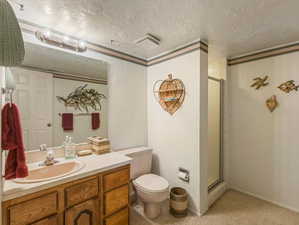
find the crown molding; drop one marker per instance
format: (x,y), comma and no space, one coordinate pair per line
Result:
(266,53)
(178,52)
(31,28)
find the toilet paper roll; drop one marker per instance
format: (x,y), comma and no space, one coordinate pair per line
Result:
(183,176)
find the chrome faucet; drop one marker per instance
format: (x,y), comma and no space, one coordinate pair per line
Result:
(49,157)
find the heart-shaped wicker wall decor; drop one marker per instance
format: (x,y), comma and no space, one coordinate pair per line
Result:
(170,94)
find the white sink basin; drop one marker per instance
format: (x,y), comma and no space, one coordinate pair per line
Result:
(55,171)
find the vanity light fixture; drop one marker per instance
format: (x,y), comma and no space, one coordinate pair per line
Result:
(61,41)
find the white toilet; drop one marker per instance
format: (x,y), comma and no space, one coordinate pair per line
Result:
(151,189)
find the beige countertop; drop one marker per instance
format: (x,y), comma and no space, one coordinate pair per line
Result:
(93,164)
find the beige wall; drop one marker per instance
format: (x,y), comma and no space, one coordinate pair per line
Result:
(176,139)
(262,146)
(217,63)
(202,152)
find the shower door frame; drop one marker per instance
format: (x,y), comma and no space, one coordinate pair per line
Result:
(221,156)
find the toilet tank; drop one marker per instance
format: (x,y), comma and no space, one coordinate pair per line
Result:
(141,160)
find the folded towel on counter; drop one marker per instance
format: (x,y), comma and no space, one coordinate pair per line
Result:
(67,121)
(95,120)
(12,140)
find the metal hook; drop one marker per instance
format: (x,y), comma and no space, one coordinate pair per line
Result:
(11,96)
(8,91)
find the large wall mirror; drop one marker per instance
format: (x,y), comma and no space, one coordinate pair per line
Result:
(48,75)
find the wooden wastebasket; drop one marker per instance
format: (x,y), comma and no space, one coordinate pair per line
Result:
(178,204)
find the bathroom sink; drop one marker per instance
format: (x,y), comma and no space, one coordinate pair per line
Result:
(46,173)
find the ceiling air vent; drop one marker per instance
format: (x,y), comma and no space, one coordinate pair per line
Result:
(149,41)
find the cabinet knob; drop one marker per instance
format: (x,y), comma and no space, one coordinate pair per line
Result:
(49,125)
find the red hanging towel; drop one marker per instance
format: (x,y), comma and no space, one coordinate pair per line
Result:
(67,121)
(95,120)
(12,140)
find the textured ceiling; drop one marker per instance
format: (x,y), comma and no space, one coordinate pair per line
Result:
(232,26)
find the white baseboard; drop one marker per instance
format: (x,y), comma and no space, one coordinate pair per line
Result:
(212,197)
(194,211)
(265,199)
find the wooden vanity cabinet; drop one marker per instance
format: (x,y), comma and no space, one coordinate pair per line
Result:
(102,199)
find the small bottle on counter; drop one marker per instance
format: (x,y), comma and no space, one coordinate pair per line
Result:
(69,148)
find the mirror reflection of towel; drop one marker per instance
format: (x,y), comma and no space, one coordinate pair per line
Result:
(67,121)
(12,140)
(95,120)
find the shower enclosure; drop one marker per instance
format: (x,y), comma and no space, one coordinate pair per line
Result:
(215,151)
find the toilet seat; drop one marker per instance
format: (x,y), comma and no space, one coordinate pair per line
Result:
(151,183)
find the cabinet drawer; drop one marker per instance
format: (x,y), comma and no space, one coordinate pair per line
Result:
(120,218)
(33,210)
(81,192)
(116,199)
(53,220)
(116,179)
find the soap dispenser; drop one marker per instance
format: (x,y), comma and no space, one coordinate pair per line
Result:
(69,148)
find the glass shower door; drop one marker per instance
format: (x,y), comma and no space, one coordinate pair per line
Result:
(215,163)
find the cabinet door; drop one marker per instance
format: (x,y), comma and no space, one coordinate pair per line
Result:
(85,213)
(119,218)
(116,200)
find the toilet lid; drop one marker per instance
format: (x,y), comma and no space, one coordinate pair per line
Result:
(151,183)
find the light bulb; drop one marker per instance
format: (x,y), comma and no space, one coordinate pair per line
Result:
(47,34)
(66,38)
(82,44)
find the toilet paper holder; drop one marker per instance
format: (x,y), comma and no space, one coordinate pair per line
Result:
(184,175)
